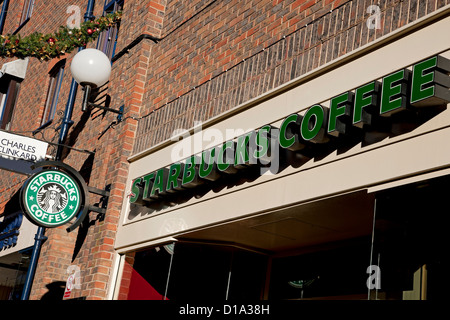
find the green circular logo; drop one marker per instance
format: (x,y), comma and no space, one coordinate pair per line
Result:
(51,198)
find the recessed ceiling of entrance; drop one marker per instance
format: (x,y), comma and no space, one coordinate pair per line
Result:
(300,226)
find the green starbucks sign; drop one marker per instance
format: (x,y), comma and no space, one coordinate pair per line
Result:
(349,115)
(51,198)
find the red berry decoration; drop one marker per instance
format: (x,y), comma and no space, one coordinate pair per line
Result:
(51,40)
(90,31)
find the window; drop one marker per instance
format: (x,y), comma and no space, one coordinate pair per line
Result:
(26,11)
(4,4)
(56,75)
(107,39)
(8,97)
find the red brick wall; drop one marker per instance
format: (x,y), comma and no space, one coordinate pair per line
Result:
(235,51)
(91,246)
(178,12)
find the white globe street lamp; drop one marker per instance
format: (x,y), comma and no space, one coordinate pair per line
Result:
(91,68)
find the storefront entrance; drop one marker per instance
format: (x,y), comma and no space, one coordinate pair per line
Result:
(389,244)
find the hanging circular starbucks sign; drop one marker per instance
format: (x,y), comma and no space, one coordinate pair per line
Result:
(51,198)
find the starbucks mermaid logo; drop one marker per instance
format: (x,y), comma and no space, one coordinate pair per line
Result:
(51,198)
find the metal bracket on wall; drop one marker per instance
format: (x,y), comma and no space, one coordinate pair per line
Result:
(101,206)
(119,112)
(86,103)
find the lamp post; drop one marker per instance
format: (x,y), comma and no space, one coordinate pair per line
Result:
(90,68)
(66,123)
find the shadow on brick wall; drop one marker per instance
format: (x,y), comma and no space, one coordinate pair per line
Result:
(55,291)
(74,133)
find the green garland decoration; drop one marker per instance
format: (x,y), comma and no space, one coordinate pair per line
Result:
(48,46)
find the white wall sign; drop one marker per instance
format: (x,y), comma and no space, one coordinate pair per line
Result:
(17,153)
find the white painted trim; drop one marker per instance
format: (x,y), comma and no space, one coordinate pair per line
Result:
(116,277)
(17,68)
